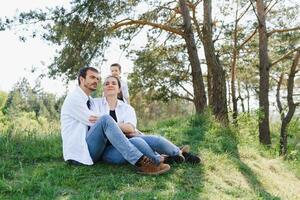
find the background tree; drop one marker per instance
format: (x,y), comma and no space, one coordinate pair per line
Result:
(291,106)
(219,101)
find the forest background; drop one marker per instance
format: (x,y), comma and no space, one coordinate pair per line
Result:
(237,60)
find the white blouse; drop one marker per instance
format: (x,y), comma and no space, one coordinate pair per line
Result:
(124,112)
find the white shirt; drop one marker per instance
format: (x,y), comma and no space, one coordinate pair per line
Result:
(124,112)
(74,126)
(124,89)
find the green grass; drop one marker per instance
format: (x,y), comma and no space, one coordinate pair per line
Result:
(235,167)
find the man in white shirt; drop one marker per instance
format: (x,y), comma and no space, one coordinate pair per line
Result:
(85,135)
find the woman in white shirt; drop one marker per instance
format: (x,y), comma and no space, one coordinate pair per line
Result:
(125,116)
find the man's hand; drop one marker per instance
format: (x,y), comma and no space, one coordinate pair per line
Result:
(93,119)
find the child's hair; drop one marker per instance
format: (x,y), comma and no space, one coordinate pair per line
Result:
(116,65)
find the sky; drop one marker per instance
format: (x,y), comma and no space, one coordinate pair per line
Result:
(18,58)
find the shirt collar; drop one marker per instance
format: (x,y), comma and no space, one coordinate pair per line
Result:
(119,102)
(84,94)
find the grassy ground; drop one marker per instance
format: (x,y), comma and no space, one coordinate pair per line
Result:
(234,167)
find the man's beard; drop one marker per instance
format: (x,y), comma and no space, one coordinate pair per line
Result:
(90,87)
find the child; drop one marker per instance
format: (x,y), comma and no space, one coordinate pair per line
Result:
(115,70)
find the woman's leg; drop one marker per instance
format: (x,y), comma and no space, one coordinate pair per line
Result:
(113,156)
(106,129)
(161,145)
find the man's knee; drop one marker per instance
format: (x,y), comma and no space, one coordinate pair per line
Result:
(105,118)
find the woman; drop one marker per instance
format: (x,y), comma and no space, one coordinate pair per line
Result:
(125,116)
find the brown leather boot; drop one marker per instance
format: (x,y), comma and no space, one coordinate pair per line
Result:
(147,167)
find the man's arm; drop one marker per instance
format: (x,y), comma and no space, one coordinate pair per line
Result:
(77,109)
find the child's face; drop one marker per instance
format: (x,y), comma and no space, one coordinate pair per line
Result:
(115,71)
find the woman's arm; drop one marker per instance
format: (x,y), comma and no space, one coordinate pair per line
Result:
(126,127)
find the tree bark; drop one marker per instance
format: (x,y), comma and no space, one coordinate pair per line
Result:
(264,70)
(219,101)
(198,84)
(233,75)
(240,96)
(248,98)
(291,106)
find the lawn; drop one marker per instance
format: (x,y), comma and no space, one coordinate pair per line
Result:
(32,168)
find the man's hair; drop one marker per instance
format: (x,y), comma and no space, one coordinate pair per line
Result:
(82,72)
(116,65)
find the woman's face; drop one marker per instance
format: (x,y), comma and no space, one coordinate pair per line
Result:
(111,86)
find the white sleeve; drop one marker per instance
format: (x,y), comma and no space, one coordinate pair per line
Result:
(124,88)
(128,115)
(77,109)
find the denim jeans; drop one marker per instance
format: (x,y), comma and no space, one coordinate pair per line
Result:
(113,156)
(106,129)
(158,145)
(161,145)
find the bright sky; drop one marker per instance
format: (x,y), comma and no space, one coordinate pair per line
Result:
(17,58)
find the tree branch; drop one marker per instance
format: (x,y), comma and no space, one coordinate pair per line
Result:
(129,22)
(283,30)
(188,92)
(279,105)
(285,56)
(248,39)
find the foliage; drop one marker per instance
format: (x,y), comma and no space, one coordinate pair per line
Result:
(3,98)
(294,140)
(148,110)
(162,74)
(24,98)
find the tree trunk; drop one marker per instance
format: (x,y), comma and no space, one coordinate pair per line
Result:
(209,86)
(240,96)
(198,84)
(248,98)
(229,94)
(219,101)
(233,71)
(291,105)
(264,67)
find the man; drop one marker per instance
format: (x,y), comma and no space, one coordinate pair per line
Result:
(115,70)
(85,136)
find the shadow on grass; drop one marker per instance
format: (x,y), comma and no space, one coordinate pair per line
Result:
(223,141)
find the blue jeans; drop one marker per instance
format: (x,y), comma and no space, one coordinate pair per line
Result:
(113,156)
(161,145)
(158,145)
(104,130)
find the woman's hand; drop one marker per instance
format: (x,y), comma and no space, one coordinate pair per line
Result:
(93,119)
(126,127)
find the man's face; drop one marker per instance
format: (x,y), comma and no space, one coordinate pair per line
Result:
(115,71)
(91,80)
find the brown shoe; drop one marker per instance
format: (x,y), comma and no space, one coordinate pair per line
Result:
(147,167)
